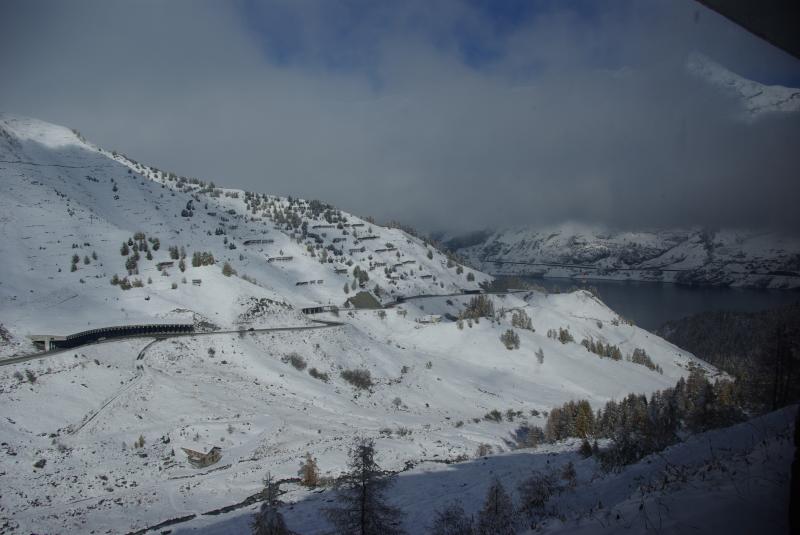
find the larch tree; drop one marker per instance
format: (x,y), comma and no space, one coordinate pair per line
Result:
(361,492)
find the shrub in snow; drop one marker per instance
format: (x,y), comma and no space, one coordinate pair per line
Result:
(540,356)
(493,416)
(30,375)
(227,270)
(316,374)
(451,520)
(358,378)
(297,361)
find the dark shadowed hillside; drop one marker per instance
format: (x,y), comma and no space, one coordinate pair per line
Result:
(760,348)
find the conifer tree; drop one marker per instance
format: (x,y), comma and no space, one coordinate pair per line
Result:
(268,520)
(497,515)
(363,509)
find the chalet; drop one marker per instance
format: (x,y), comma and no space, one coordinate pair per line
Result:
(426,276)
(386,250)
(430,318)
(322,226)
(368,237)
(358,250)
(201,460)
(357,225)
(337,240)
(197,282)
(340,270)
(379,264)
(161,266)
(258,241)
(280,259)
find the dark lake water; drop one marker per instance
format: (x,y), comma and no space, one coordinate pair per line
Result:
(651,304)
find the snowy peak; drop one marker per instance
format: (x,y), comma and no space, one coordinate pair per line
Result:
(757,98)
(15,129)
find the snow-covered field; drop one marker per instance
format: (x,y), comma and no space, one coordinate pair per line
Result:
(92,437)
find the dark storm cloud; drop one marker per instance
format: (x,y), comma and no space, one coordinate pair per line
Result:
(442,115)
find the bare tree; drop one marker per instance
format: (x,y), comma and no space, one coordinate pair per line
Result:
(497,515)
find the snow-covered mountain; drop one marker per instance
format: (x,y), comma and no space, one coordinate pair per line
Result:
(687,256)
(757,98)
(92,436)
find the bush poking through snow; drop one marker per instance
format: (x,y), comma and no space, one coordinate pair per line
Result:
(297,361)
(316,374)
(451,520)
(227,270)
(30,375)
(493,416)
(358,378)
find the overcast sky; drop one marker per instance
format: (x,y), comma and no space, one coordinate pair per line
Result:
(444,115)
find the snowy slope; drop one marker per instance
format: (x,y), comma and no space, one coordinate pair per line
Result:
(733,480)
(692,256)
(63,196)
(432,383)
(266,414)
(756,98)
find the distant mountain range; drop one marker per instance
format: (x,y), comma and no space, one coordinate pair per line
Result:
(693,256)
(688,256)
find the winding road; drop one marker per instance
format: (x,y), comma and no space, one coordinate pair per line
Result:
(323,324)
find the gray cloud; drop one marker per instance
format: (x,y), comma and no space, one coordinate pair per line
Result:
(591,119)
